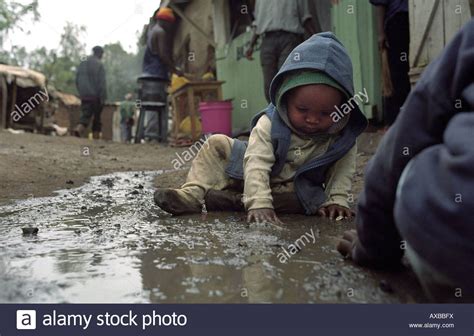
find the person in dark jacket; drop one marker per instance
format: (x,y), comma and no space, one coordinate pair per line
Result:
(91,85)
(418,196)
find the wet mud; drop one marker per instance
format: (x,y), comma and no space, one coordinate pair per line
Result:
(106,241)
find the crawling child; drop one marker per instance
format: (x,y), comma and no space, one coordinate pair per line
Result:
(300,157)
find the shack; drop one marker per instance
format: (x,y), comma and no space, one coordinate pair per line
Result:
(63,107)
(23,96)
(65,111)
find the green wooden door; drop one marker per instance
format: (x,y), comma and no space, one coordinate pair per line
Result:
(243,81)
(354,24)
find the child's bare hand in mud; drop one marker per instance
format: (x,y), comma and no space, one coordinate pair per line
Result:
(263,215)
(334,211)
(347,243)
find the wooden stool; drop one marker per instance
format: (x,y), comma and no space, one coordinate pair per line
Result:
(184,104)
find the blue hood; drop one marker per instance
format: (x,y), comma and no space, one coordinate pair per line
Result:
(321,52)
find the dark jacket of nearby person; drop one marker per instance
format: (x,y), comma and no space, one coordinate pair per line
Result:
(437,126)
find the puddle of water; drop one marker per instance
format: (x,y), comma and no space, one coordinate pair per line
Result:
(107,242)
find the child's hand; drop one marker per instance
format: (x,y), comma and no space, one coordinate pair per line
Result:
(263,215)
(334,211)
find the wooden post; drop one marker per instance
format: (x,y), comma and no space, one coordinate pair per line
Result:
(12,107)
(3,107)
(192,111)
(175,116)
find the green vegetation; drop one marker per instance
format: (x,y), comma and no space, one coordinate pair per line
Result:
(59,64)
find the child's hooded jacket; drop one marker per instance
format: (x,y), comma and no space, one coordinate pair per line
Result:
(323,53)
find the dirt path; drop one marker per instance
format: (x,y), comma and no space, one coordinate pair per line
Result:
(34,165)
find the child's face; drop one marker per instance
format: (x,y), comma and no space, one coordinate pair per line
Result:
(310,107)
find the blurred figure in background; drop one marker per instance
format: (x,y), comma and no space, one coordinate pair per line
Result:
(282,25)
(91,86)
(394,35)
(127,113)
(157,64)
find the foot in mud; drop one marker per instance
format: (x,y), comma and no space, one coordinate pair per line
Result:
(224,200)
(176,202)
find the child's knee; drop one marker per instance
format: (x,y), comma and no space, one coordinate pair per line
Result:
(221,145)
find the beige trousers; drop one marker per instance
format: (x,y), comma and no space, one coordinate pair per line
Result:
(208,168)
(208,172)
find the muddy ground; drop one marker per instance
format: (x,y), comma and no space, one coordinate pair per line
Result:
(101,239)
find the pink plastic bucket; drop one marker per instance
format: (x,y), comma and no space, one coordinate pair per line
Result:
(216,117)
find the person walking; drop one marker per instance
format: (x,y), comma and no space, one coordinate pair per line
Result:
(91,86)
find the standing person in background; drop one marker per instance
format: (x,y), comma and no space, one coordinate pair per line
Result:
(158,61)
(91,85)
(127,112)
(394,35)
(282,25)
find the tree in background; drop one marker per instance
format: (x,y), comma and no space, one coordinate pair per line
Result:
(11,15)
(59,65)
(122,69)
(17,56)
(70,44)
(60,68)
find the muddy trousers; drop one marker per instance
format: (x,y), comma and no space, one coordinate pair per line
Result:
(207,181)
